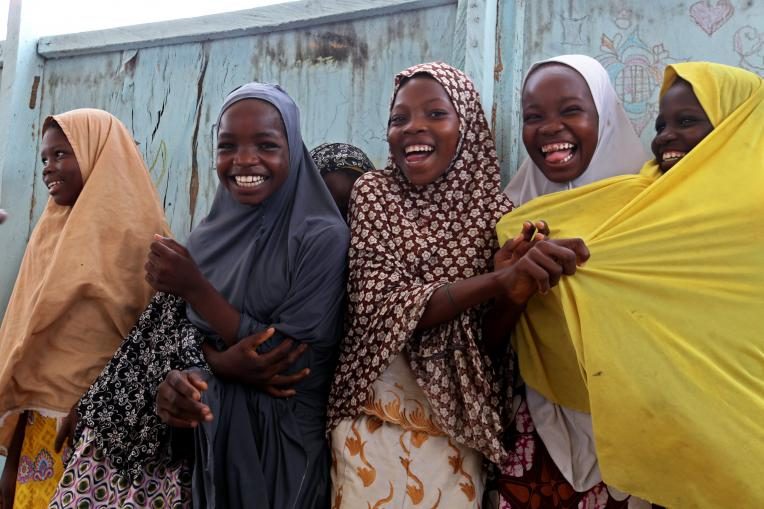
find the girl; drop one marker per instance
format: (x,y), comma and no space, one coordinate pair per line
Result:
(266,265)
(78,291)
(340,165)
(671,374)
(414,406)
(576,132)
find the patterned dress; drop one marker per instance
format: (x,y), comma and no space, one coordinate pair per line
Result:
(413,413)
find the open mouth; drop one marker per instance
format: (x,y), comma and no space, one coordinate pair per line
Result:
(418,153)
(672,156)
(52,186)
(558,153)
(249,181)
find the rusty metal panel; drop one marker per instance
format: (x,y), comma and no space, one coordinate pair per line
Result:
(340,74)
(633,40)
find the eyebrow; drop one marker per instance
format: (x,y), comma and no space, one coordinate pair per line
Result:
(561,99)
(264,132)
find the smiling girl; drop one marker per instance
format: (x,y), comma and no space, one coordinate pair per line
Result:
(414,406)
(78,291)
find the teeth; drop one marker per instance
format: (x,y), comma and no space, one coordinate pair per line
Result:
(249,180)
(55,183)
(672,155)
(567,158)
(418,148)
(554,147)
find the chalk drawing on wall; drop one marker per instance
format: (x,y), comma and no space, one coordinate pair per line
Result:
(636,71)
(710,18)
(749,45)
(573,31)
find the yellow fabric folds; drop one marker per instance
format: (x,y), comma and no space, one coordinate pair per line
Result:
(661,335)
(81,283)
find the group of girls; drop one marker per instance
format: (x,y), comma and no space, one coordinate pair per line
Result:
(282,359)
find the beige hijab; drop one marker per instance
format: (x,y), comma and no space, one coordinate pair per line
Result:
(81,286)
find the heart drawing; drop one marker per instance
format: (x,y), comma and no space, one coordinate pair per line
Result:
(711,17)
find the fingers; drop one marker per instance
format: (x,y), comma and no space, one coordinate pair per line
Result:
(564,258)
(577,246)
(290,380)
(542,227)
(172,244)
(197,380)
(279,361)
(179,400)
(254,341)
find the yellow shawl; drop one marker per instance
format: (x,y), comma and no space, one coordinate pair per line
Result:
(81,284)
(661,335)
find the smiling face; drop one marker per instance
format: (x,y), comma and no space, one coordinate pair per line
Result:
(60,169)
(252,152)
(681,124)
(560,122)
(423,130)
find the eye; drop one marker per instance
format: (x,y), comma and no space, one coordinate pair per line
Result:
(659,126)
(224,146)
(59,154)
(44,160)
(531,117)
(572,110)
(269,146)
(397,119)
(438,113)
(687,121)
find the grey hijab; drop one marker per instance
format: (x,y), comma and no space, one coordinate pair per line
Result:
(282,264)
(249,253)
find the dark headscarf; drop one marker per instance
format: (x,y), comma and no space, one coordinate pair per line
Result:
(331,157)
(282,263)
(251,253)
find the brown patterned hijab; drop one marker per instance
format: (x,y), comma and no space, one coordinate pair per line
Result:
(407,241)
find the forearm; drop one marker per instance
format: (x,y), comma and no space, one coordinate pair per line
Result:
(499,322)
(14,448)
(222,317)
(449,301)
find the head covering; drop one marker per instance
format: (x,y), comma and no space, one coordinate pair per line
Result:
(407,241)
(80,287)
(665,318)
(331,157)
(282,264)
(250,252)
(619,150)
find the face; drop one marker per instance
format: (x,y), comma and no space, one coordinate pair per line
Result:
(560,122)
(60,169)
(423,130)
(340,185)
(252,151)
(681,124)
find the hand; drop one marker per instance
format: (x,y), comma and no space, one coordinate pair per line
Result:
(3,217)
(541,268)
(242,363)
(66,431)
(179,399)
(171,269)
(514,249)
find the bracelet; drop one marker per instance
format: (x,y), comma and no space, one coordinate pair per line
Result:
(451,298)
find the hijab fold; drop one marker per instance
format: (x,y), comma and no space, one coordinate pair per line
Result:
(80,286)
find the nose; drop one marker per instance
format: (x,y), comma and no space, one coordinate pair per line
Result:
(551,126)
(665,136)
(246,156)
(414,125)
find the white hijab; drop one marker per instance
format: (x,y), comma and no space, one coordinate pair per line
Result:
(619,150)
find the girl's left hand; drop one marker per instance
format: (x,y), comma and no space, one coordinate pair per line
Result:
(515,248)
(171,269)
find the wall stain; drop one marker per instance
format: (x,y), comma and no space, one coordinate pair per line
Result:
(33,94)
(193,189)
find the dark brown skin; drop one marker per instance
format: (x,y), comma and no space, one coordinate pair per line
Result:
(3,216)
(8,479)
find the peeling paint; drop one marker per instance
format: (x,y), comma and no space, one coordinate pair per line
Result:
(33,93)
(193,187)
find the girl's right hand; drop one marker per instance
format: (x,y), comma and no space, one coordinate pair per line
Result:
(179,399)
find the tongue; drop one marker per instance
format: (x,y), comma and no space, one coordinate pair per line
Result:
(557,155)
(416,156)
